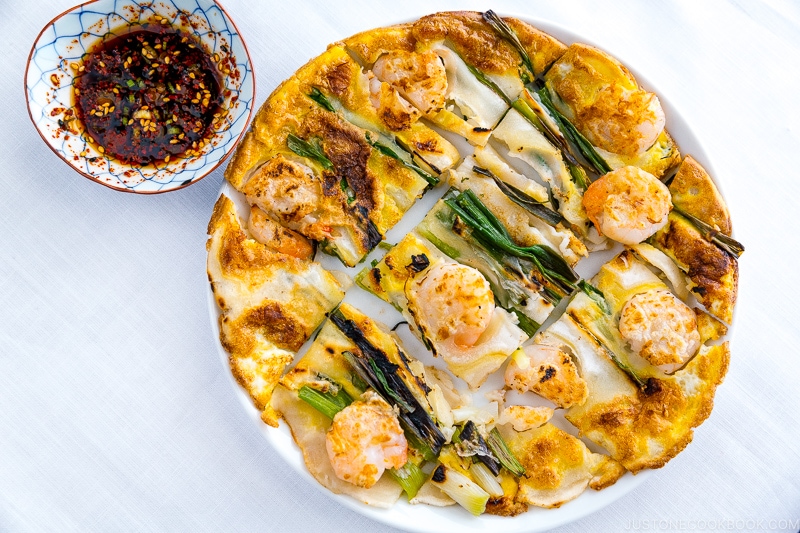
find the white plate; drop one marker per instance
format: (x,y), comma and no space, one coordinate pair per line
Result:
(424,518)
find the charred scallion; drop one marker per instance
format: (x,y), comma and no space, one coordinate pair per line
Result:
(727,244)
(387,378)
(527,73)
(471,443)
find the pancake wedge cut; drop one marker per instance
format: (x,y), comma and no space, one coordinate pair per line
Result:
(642,414)
(270,302)
(603,100)
(559,302)
(558,466)
(436,294)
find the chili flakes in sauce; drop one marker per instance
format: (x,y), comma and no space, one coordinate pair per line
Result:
(148,95)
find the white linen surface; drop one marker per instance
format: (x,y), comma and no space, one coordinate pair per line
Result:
(116,413)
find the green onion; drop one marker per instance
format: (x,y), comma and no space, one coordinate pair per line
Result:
(493,235)
(508,33)
(523,200)
(616,359)
(500,449)
(596,295)
(325,402)
(461,488)
(410,477)
(727,244)
(526,323)
(385,150)
(387,378)
(347,190)
(470,443)
(130,83)
(484,477)
(573,135)
(321,99)
(484,79)
(308,149)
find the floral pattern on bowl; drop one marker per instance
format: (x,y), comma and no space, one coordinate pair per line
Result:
(59,49)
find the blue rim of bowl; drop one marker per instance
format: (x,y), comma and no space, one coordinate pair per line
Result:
(201,171)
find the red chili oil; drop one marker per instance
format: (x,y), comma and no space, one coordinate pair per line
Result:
(149,95)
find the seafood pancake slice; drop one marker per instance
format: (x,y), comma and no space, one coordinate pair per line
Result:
(352,192)
(693,192)
(558,466)
(431,62)
(642,416)
(376,106)
(525,228)
(451,306)
(714,273)
(270,302)
(526,142)
(325,368)
(603,100)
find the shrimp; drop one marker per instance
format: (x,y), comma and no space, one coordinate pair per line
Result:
(270,233)
(365,439)
(547,371)
(628,205)
(395,111)
(660,328)
(419,76)
(452,302)
(624,121)
(287,190)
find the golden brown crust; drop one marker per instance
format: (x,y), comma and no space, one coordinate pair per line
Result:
(480,45)
(558,466)
(693,192)
(268,307)
(714,273)
(371,44)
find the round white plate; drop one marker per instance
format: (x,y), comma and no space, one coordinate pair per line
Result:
(424,518)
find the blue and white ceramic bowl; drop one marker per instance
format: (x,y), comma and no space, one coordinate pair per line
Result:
(60,47)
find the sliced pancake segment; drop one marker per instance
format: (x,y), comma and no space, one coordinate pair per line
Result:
(558,466)
(439,296)
(605,103)
(360,189)
(270,303)
(714,273)
(453,88)
(640,414)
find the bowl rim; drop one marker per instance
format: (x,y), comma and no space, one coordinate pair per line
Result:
(93,178)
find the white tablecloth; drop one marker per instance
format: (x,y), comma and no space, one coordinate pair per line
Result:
(116,413)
